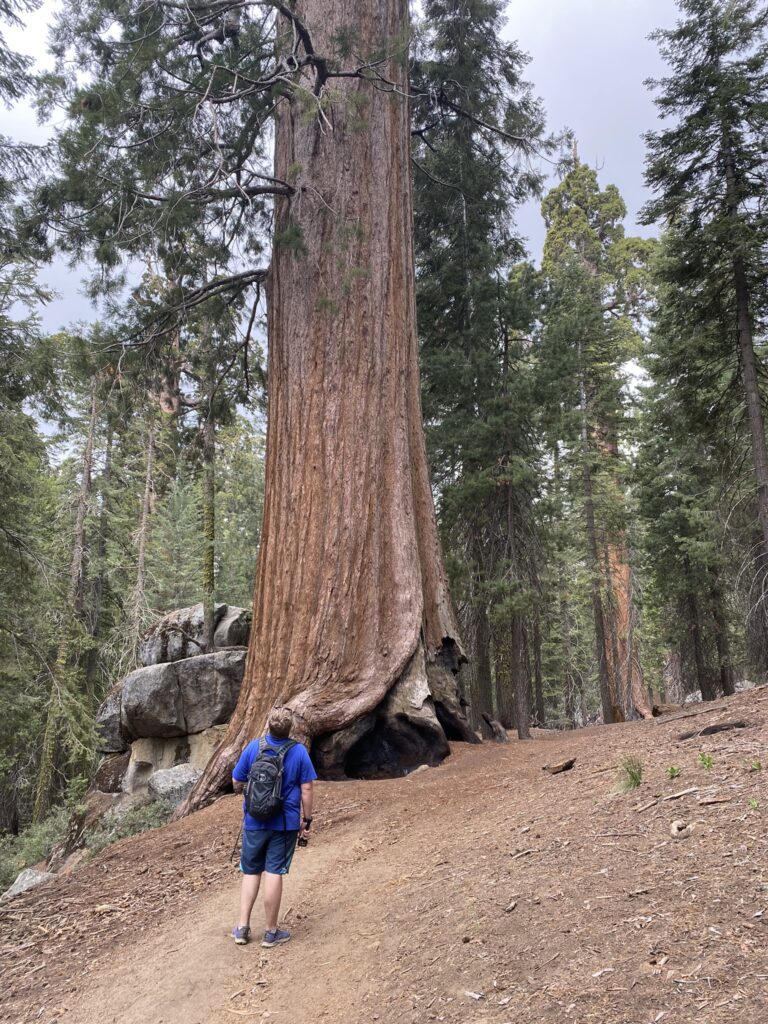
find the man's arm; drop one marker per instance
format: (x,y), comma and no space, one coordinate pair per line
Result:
(237,786)
(306,806)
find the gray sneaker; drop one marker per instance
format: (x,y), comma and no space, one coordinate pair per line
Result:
(275,938)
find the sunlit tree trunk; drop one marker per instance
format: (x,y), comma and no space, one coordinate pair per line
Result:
(625,669)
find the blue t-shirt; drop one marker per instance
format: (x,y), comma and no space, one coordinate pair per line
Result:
(297,769)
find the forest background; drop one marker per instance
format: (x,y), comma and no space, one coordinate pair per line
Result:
(593,417)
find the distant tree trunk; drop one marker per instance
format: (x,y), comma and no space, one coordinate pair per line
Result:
(353,627)
(569,689)
(504,680)
(76,594)
(73,618)
(520,677)
(481,682)
(672,674)
(209,517)
(573,696)
(699,659)
(629,686)
(727,675)
(611,710)
(538,683)
(139,596)
(99,583)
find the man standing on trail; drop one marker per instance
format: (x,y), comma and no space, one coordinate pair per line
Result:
(269,842)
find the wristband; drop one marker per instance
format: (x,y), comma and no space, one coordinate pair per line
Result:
(307,823)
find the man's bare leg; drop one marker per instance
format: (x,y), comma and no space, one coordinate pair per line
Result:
(273,893)
(249,890)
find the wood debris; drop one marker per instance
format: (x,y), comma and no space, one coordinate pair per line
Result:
(560,766)
(711,730)
(683,792)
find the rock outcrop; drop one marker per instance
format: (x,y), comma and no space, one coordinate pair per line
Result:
(108,723)
(173,784)
(160,725)
(179,634)
(151,755)
(170,712)
(26,880)
(179,698)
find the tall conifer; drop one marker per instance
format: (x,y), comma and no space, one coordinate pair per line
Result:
(709,172)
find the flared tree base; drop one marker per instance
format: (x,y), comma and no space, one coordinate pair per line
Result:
(410,727)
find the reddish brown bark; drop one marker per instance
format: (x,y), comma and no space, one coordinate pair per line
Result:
(624,664)
(628,695)
(351,597)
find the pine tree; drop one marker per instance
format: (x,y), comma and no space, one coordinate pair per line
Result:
(472,326)
(26,506)
(695,485)
(709,171)
(176,548)
(239,507)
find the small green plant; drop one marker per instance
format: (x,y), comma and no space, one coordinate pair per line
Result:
(754,804)
(706,761)
(755,766)
(631,773)
(673,771)
(119,826)
(32,845)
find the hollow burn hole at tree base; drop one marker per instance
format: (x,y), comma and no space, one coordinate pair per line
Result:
(394,747)
(391,748)
(390,743)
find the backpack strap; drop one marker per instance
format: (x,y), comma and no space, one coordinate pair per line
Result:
(282,751)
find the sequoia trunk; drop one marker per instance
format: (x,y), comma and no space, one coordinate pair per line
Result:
(625,671)
(353,627)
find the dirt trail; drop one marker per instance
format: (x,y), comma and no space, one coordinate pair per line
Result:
(483,890)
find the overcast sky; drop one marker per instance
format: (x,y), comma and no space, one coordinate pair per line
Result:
(589,61)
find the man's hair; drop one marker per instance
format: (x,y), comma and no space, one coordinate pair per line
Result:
(280,722)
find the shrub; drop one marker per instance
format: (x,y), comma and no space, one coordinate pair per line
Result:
(631,773)
(119,826)
(32,845)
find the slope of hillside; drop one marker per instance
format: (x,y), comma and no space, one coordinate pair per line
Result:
(482,890)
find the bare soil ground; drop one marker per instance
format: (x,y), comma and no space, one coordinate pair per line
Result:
(485,890)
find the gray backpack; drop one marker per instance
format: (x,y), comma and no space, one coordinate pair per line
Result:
(264,788)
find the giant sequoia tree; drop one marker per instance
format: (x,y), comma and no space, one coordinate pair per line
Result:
(353,626)
(594,275)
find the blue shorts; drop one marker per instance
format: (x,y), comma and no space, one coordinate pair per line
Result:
(267,849)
